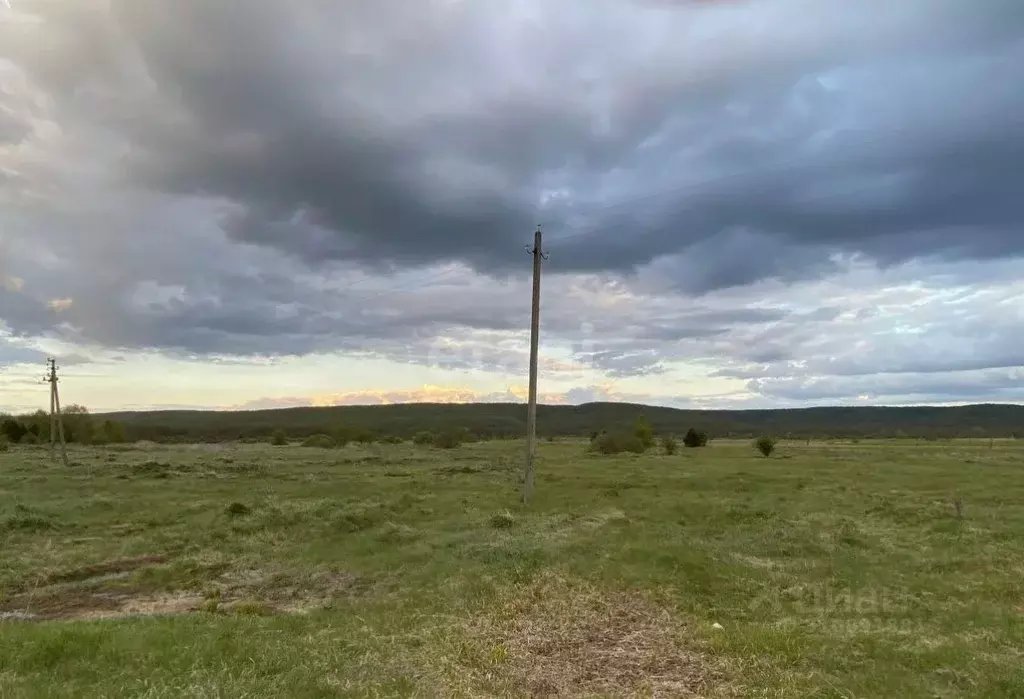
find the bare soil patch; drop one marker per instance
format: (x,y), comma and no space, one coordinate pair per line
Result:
(76,604)
(98,591)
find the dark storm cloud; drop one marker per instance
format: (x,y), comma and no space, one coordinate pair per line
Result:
(392,132)
(196,175)
(376,162)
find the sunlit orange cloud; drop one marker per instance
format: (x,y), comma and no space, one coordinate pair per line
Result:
(425,394)
(60,305)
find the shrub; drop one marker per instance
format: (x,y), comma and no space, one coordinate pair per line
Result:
(78,424)
(644,432)
(13,430)
(765,445)
(447,440)
(279,438)
(465,436)
(363,436)
(320,441)
(391,439)
(694,439)
(30,438)
(423,438)
(112,432)
(5,445)
(610,443)
(669,445)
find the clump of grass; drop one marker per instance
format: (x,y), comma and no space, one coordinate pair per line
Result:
(26,523)
(392,533)
(358,519)
(320,441)
(503,520)
(210,606)
(152,469)
(251,608)
(237,509)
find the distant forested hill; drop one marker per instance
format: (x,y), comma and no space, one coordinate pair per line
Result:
(508,420)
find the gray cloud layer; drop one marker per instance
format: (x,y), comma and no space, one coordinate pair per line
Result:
(194,174)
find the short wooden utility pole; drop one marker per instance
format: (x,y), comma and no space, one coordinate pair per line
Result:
(531,410)
(56,420)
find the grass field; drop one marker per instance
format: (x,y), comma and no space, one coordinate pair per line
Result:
(829,570)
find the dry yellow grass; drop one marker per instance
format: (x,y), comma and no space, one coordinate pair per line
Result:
(559,637)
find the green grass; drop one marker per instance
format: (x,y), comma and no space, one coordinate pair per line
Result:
(833,570)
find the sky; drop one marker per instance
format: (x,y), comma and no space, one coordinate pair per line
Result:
(745,203)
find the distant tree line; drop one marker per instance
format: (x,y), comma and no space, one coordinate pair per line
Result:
(436,424)
(79,427)
(505,420)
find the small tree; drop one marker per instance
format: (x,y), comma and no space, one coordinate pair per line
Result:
(669,444)
(113,432)
(694,439)
(765,445)
(78,425)
(279,438)
(13,430)
(38,423)
(363,436)
(644,432)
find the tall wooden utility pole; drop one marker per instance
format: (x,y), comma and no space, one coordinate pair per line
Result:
(531,411)
(56,420)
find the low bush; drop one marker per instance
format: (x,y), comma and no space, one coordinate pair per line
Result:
(423,438)
(320,441)
(669,445)
(447,440)
(694,439)
(279,438)
(363,436)
(765,445)
(611,443)
(644,432)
